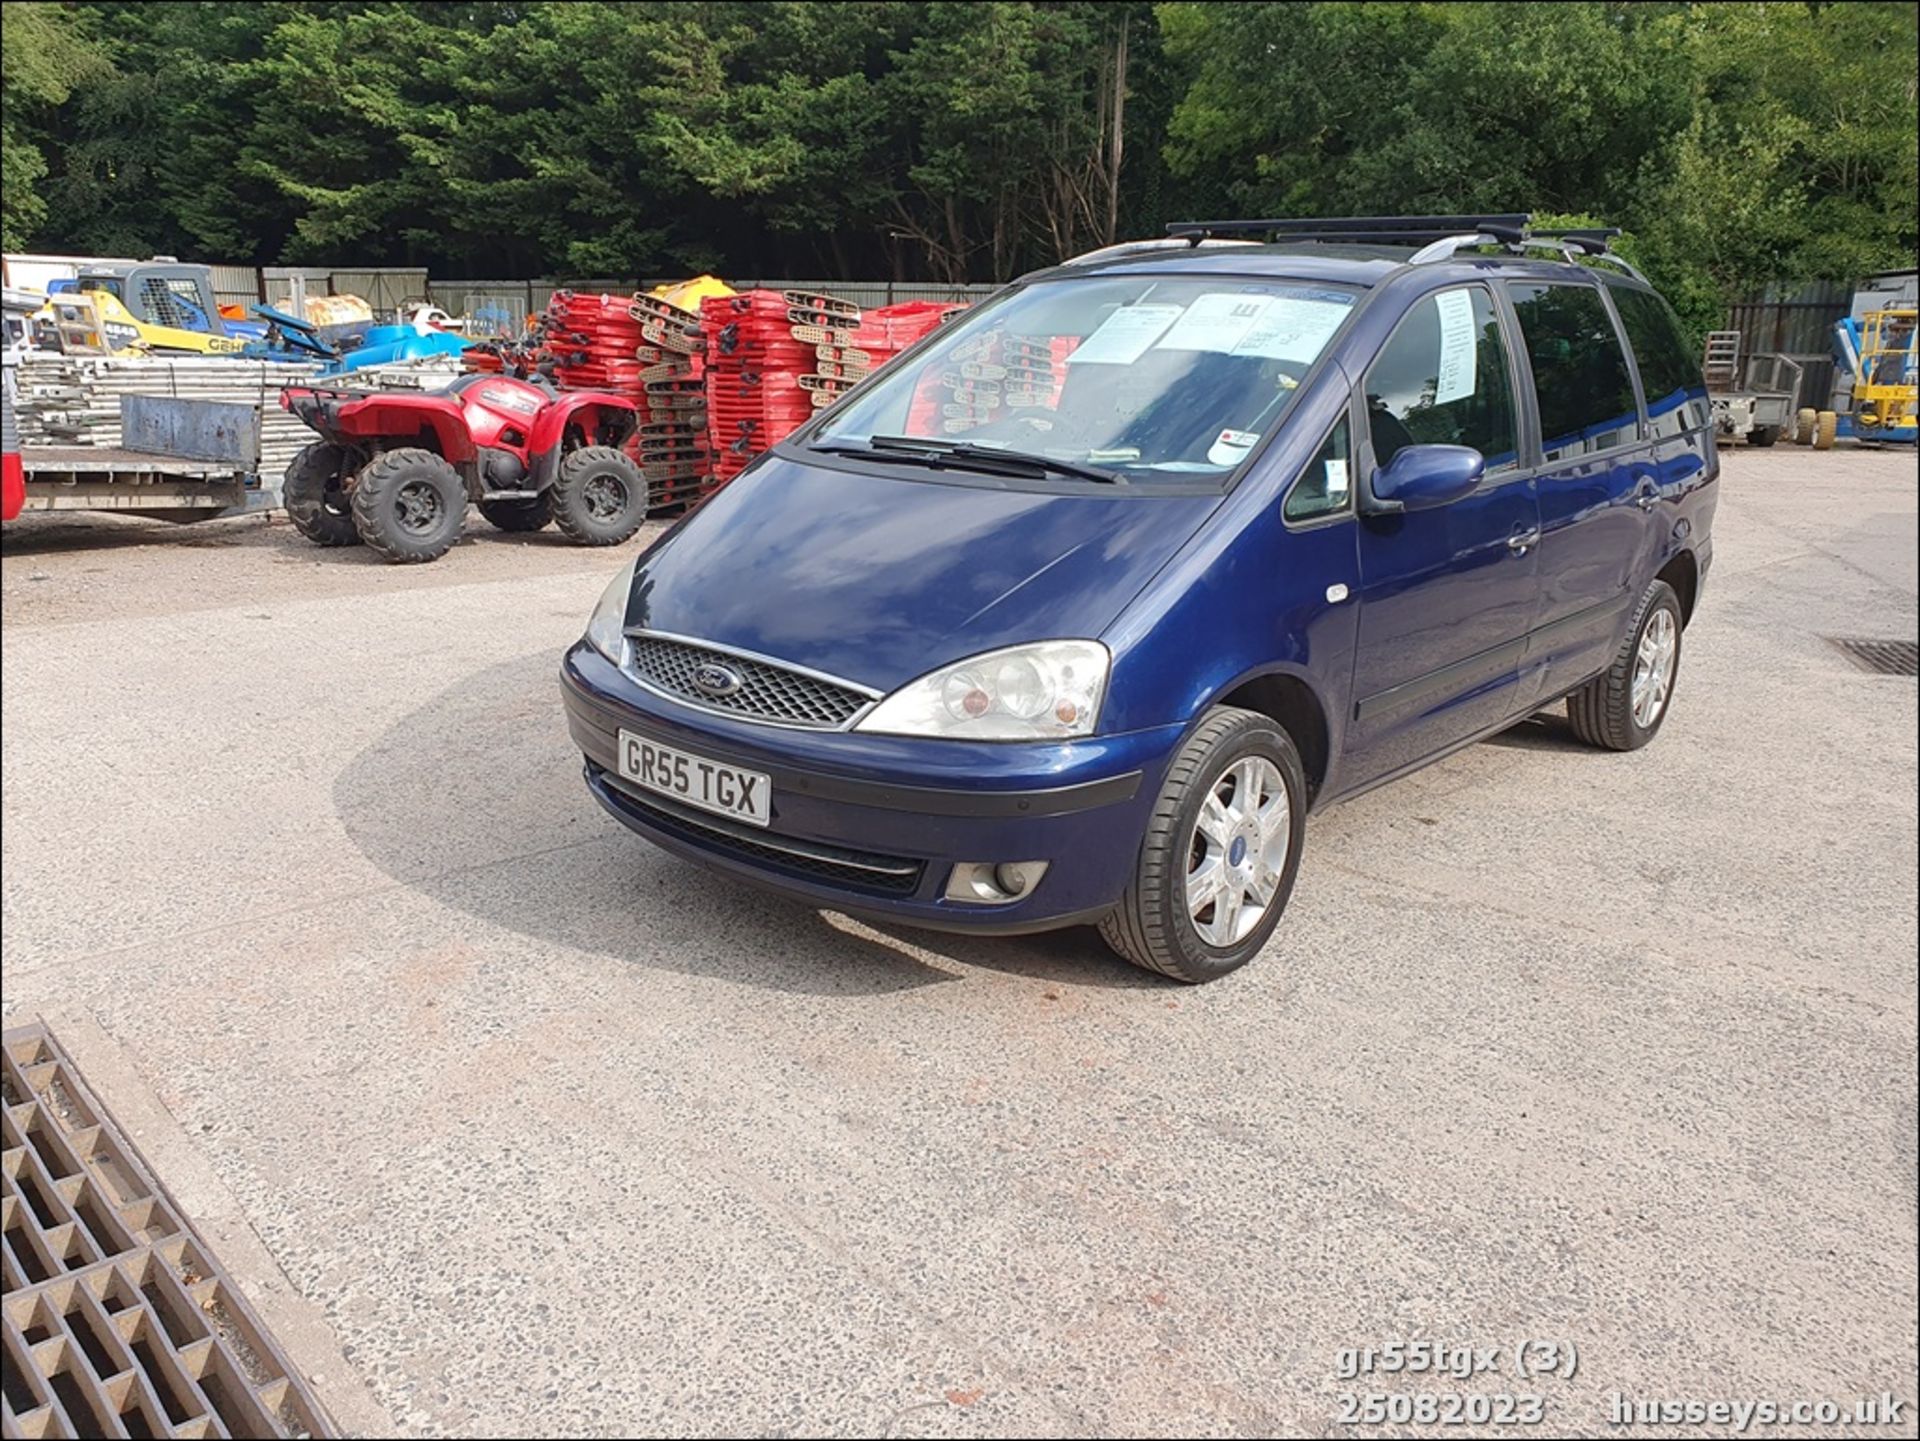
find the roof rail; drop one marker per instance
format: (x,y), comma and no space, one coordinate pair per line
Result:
(1572,245)
(1137,247)
(1376,229)
(1438,236)
(1591,241)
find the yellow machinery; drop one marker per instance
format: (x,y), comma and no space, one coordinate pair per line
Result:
(157,305)
(1877,352)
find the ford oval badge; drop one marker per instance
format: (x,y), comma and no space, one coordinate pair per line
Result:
(716,680)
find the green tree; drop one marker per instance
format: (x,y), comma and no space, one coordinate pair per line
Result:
(1742,144)
(45,55)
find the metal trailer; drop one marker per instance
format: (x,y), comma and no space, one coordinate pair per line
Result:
(180,460)
(1753,396)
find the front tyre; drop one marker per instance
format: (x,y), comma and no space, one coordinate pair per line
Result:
(599,497)
(410,505)
(313,498)
(1221,851)
(1624,708)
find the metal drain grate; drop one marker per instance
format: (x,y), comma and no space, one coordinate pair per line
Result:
(1882,657)
(117,1321)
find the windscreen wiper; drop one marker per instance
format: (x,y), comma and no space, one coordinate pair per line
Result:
(960,449)
(984,459)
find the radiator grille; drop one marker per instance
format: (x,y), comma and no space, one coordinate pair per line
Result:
(766,692)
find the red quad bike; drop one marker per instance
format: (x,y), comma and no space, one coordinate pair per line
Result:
(396,469)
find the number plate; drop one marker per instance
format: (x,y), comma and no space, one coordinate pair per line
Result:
(696,781)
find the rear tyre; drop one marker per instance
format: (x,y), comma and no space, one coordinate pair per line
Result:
(315,502)
(1624,708)
(1826,427)
(1803,423)
(519,515)
(1763,435)
(410,505)
(1221,852)
(600,497)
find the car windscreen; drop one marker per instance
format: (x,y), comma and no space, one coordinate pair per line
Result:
(1168,379)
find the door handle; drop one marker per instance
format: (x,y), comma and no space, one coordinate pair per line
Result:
(1523,542)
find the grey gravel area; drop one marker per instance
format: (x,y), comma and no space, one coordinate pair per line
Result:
(561,1135)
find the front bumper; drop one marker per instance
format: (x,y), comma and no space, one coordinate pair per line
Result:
(873,825)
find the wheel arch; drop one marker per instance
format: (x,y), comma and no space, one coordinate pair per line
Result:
(1682,572)
(390,417)
(601,420)
(1289,700)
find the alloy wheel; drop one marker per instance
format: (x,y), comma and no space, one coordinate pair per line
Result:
(1238,851)
(1653,666)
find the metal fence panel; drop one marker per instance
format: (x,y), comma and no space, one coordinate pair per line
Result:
(461,297)
(386,290)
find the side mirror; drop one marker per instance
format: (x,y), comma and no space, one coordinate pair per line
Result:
(1422,477)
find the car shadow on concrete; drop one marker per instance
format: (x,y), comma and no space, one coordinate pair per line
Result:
(1542,731)
(474,799)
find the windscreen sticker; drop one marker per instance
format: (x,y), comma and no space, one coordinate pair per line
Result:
(1216,322)
(1459,347)
(1336,481)
(1125,335)
(1292,329)
(1231,446)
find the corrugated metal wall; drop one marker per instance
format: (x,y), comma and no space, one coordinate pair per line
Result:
(1798,324)
(235,284)
(384,290)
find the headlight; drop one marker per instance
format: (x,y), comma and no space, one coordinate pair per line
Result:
(606,631)
(1050,690)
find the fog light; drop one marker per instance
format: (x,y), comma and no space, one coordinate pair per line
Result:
(993,883)
(1017,878)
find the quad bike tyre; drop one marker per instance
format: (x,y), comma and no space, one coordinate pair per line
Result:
(600,497)
(516,516)
(319,509)
(409,505)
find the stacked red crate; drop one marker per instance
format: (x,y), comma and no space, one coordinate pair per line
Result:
(671,444)
(885,332)
(773,357)
(594,341)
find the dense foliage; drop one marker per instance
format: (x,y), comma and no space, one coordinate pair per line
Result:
(1739,143)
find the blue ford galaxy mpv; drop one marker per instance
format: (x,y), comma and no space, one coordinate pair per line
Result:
(1074,611)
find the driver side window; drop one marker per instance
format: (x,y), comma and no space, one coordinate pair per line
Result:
(1442,379)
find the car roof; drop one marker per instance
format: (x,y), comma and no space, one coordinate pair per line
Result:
(1346,263)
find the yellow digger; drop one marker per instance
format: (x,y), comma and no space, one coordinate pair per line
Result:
(157,305)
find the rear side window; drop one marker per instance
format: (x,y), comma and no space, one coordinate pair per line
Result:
(1442,379)
(1580,372)
(1669,370)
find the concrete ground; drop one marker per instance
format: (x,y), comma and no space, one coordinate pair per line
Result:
(552,1133)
